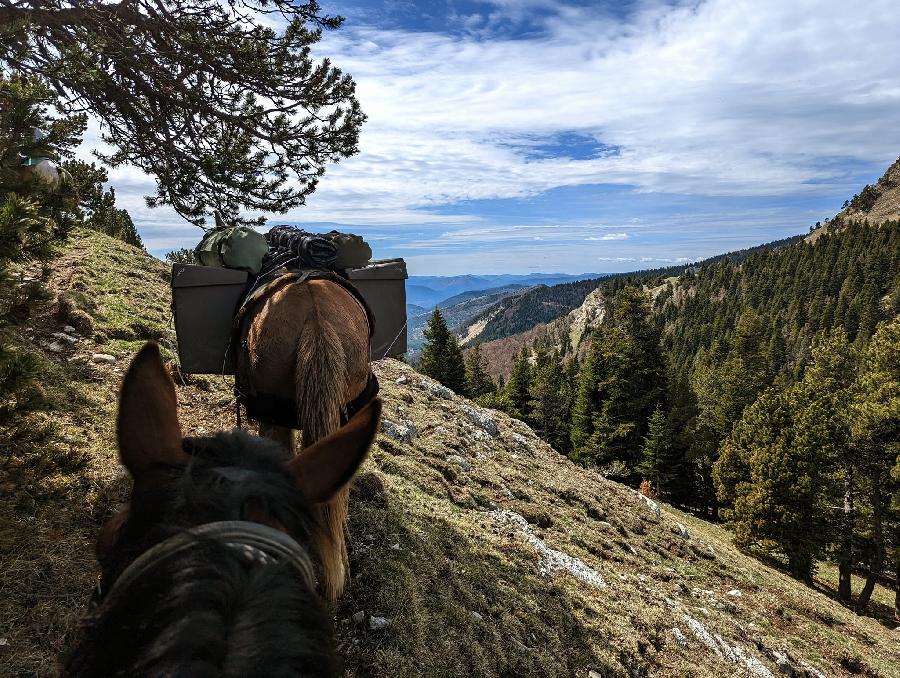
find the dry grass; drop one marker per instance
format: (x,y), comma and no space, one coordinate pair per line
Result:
(463,593)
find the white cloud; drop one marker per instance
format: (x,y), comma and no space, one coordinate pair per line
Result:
(720,98)
(609,236)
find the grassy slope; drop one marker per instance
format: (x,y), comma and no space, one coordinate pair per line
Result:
(462,588)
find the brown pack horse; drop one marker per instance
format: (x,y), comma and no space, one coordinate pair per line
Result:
(307,343)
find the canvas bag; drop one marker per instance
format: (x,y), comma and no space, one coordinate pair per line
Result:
(238,247)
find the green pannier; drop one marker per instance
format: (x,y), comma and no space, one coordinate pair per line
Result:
(238,247)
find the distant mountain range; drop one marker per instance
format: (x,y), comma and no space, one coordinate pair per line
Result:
(427,291)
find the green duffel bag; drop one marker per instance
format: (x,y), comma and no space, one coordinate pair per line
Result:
(237,247)
(352,250)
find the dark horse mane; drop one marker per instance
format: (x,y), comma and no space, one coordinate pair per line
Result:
(205,611)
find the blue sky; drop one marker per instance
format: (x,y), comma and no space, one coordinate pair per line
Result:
(571,136)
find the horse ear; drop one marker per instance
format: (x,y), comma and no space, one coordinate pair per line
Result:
(325,467)
(147,425)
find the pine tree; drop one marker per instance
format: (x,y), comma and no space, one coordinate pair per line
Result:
(548,403)
(441,355)
(656,455)
(770,471)
(478,382)
(875,425)
(223,103)
(516,393)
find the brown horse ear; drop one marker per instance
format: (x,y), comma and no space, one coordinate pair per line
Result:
(326,466)
(147,424)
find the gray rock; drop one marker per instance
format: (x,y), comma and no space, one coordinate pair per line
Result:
(56,347)
(476,616)
(403,380)
(65,338)
(783,662)
(68,329)
(105,358)
(481,419)
(652,505)
(378,623)
(682,531)
(463,464)
(358,617)
(679,637)
(402,432)
(435,389)
(734,593)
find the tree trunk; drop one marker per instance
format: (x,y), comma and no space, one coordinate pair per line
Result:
(877,562)
(845,555)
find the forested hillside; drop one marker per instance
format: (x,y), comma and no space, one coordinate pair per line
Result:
(761,388)
(543,304)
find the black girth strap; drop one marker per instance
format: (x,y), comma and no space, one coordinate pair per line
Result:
(277,411)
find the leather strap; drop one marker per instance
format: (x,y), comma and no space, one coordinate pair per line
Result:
(258,544)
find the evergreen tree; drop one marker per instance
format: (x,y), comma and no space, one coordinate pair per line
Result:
(34,215)
(770,472)
(478,382)
(875,425)
(223,103)
(441,355)
(517,392)
(98,204)
(620,384)
(548,403)
(656,463)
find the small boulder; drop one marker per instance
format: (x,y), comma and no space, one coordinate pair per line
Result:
(403,380)
(378,623)
(358,617)
(481,419)
(402,432)
(681,531)
(734,593)
(64,338)
(103,358)
(435,389)
(68,329)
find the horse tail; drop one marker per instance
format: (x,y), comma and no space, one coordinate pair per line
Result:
(321,381)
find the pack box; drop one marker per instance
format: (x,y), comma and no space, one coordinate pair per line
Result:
(205,298)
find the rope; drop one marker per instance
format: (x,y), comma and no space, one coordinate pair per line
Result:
(396,337)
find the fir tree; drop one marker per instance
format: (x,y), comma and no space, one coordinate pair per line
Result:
(478,382)
(656,456)
(517,392)
(875,426)
(441,355)
(620,384)
(548,403)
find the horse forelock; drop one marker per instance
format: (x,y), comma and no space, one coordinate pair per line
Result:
(206,607)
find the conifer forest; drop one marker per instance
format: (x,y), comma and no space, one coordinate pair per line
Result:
(759,390)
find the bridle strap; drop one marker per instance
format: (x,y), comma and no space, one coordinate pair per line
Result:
(257,544)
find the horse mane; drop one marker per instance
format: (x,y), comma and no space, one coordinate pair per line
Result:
(204,611)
